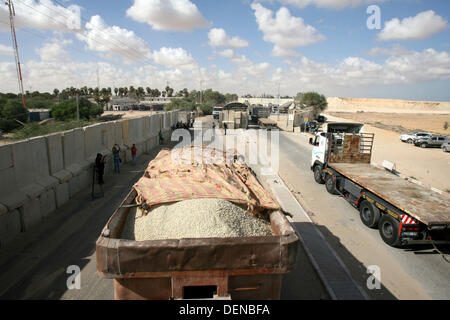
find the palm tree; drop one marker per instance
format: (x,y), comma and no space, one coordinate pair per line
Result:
(116,90)
(140,92)
(149,90)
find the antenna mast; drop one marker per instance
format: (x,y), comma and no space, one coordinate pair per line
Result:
(12,13)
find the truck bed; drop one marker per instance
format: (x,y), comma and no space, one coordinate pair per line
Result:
(427,206)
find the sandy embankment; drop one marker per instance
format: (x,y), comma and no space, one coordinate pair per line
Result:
(386,106)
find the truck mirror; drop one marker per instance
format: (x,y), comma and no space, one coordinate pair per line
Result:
(311,141)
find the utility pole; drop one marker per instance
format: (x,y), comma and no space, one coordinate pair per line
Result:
(12,13)
(98,78)
(278,111)
(78,107)
(201,91)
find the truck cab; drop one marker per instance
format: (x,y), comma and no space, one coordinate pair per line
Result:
(320,141)
(216,111)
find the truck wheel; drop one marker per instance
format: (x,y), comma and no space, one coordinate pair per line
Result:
(389,230)
(369,214)
(423,145)
(330,185)
(409,141)
(318,174)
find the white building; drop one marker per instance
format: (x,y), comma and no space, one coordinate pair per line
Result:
(122,103)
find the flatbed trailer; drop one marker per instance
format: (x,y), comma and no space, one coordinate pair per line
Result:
(404,212)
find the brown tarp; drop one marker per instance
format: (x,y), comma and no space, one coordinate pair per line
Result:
(199,173)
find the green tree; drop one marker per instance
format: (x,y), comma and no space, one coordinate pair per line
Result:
(67,110)
(314,100)
(181,104)
(12,113)
(206,108)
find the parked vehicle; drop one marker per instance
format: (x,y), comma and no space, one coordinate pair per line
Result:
(267,124)
(433,141)
(404,212)
(446,146)
(409,137)
(216,111)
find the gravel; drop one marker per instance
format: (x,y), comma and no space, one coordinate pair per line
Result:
(197,218)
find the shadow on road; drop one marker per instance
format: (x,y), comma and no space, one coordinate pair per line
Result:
(357,269)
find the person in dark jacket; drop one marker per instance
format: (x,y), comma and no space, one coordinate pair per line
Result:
(117,160)
(100,167)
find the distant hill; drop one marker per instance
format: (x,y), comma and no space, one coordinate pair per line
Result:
(386,106)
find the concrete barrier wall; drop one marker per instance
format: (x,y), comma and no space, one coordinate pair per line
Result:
(41,174)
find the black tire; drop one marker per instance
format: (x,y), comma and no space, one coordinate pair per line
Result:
(330,184)
(369,214)
(389,230)
(423,145)
(318,174)
(409,141)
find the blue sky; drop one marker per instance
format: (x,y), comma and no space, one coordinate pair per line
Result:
(235,46)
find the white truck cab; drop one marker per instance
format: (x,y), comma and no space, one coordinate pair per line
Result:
(320,141)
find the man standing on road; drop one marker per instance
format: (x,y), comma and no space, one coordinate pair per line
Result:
(133,154)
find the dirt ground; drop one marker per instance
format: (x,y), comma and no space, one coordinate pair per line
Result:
(129,114)
(430,166)
(400,122)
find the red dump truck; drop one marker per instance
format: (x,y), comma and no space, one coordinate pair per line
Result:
(404,212)
(222,268)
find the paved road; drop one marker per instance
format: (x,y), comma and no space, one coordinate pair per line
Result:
(412,273)
(34,267)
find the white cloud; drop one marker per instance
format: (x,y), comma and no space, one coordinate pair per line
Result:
(175,15)
(352,74)
(219,38)
(355,72)
(285,31)
(227,53)
(174,58)
(42,15)
(6,51)
(114,40)
(422,26)
(394,51)
(338,4)
(54,51)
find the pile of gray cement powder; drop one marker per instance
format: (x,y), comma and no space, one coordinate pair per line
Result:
(197,218)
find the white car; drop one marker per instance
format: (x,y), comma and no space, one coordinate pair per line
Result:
(409,137)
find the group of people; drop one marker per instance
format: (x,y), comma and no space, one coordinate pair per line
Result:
(101,159)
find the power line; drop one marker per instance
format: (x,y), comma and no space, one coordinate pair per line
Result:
(118,40)
(125,53)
